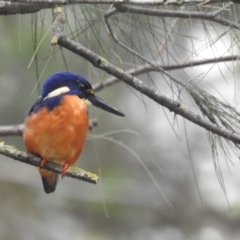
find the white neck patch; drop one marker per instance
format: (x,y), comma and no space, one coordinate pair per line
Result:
(57,92)
(87,102)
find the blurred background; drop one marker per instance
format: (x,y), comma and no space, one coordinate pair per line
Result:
(158,179)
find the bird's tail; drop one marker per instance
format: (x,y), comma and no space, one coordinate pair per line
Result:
(49,180)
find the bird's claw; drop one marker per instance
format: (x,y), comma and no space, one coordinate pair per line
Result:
(64,169)
(43,163)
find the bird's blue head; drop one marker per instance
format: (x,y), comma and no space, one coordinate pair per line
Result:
(68,83)
(63,83)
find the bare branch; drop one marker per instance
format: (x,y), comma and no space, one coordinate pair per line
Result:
(29,6)
(68,2)
(118,42)
(13,130)
(136,71)
(211,16)
(9,8)
(73,172)
(121,2)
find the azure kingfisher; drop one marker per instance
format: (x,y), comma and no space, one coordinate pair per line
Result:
(57,124)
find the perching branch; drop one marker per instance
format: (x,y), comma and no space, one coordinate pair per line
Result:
(73,172)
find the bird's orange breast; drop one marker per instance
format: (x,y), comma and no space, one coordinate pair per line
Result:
(58,135)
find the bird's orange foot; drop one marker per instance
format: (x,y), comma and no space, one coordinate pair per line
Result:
(64,169)
(43,163)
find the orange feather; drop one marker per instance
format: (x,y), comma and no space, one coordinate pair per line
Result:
(57,135)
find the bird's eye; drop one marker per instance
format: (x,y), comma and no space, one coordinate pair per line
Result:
(80,85)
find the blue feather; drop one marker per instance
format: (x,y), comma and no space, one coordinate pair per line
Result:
(76,83)
(61,79)
(49,103)
(68,83)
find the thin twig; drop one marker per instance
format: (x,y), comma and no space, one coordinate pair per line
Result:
(120,43)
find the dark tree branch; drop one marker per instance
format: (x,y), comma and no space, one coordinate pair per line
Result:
(73,172)
(28,6)
(214,16)
(122,2)
(10,8)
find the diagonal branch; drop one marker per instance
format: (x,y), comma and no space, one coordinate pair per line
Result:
(73,172)
(137,84)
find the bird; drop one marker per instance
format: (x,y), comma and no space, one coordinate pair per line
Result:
(57,124)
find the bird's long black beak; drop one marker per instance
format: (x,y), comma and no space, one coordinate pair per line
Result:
(100,103)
